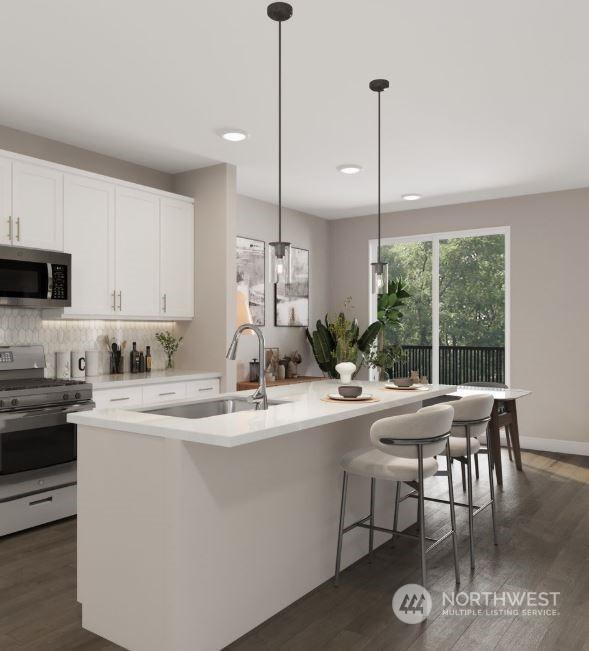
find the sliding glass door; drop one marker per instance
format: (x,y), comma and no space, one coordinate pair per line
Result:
(455,325)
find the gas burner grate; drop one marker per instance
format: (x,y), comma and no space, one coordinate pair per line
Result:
(35,383)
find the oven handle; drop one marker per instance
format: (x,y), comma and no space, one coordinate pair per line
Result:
(15,421)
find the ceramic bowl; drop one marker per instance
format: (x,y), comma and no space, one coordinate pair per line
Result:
(349,391)
(402,381)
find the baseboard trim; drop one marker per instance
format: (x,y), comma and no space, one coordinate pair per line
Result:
(552,445)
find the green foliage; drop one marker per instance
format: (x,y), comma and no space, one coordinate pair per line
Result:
(339,340)
(384,358)
(389,310)
(472,286)
(168,342)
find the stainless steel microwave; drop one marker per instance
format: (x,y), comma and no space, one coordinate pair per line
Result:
(34,277)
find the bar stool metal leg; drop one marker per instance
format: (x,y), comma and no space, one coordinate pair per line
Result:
(476,465)
(491,490)
(342,514)
(371,531)
(463,475)
(396,514)
(421,504)
(452,512)
(470,498)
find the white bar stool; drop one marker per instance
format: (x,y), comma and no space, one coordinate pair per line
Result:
(471,418)
(404,450)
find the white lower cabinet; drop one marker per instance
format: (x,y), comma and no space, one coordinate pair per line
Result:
(151,394)
(123,397)
(202,388)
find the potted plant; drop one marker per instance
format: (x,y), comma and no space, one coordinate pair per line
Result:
(170,345)
(339,340)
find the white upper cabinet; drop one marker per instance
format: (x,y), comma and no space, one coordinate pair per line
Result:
(137,257)
(177,258)
(37,206)
(89,235)
(5,201)
(132,247)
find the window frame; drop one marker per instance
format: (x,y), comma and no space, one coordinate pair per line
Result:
(435,239)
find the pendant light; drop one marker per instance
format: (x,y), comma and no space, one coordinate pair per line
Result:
(280,251)
(380,269)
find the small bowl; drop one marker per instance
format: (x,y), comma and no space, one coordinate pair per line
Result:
(350,391)
(402,381)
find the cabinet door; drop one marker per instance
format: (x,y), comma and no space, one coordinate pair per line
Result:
(137,258)
(177,258)
(88,234)
(37,206)
(5,201)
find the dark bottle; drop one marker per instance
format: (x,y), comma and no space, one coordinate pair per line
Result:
(141,362)
(148,359)
(134,359)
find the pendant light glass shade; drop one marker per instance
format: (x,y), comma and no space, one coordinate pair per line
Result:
(280,262)
(380,277)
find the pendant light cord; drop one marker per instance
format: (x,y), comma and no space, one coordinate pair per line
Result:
(379,177)
(279,131)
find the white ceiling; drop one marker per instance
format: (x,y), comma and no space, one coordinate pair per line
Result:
(487,99)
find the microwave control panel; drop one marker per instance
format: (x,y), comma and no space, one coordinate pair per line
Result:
(60,288)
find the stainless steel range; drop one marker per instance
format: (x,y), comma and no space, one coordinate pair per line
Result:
(37,444)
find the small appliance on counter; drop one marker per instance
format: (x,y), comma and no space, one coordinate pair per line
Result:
(34,278)
(37,444)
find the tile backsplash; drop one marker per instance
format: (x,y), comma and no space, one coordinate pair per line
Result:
(22,326)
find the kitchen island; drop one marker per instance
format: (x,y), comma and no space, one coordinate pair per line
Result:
(191,532)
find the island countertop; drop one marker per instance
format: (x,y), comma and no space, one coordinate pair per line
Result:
(302,407)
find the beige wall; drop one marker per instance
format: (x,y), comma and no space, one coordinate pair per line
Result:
(28,144)
(258,219)
(549,305)
(207,337)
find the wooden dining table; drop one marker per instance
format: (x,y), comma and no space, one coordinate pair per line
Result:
(504,414)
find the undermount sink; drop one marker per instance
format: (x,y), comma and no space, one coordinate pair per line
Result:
(205,409)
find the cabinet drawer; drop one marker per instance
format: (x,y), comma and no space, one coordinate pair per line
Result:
(31,511)
(123,397)
(153,393)
(202,388)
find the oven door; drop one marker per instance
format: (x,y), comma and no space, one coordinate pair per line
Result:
(38,438)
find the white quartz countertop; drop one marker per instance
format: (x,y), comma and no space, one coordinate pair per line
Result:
(302,408)
(155,377)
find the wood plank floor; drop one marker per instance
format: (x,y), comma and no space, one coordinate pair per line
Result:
(544,545)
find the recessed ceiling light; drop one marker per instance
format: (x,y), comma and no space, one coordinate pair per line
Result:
(348,168)
(233,135)
(411,197)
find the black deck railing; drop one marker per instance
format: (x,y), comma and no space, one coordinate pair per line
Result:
(458,364)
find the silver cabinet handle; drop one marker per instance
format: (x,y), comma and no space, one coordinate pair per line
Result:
(114,301)
(168,393)
(165,299)
(119,399)
(206,389)
(10,228)
(120,301)
(18,229)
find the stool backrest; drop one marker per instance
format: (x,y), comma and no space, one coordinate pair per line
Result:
(471,408)
(425,423)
